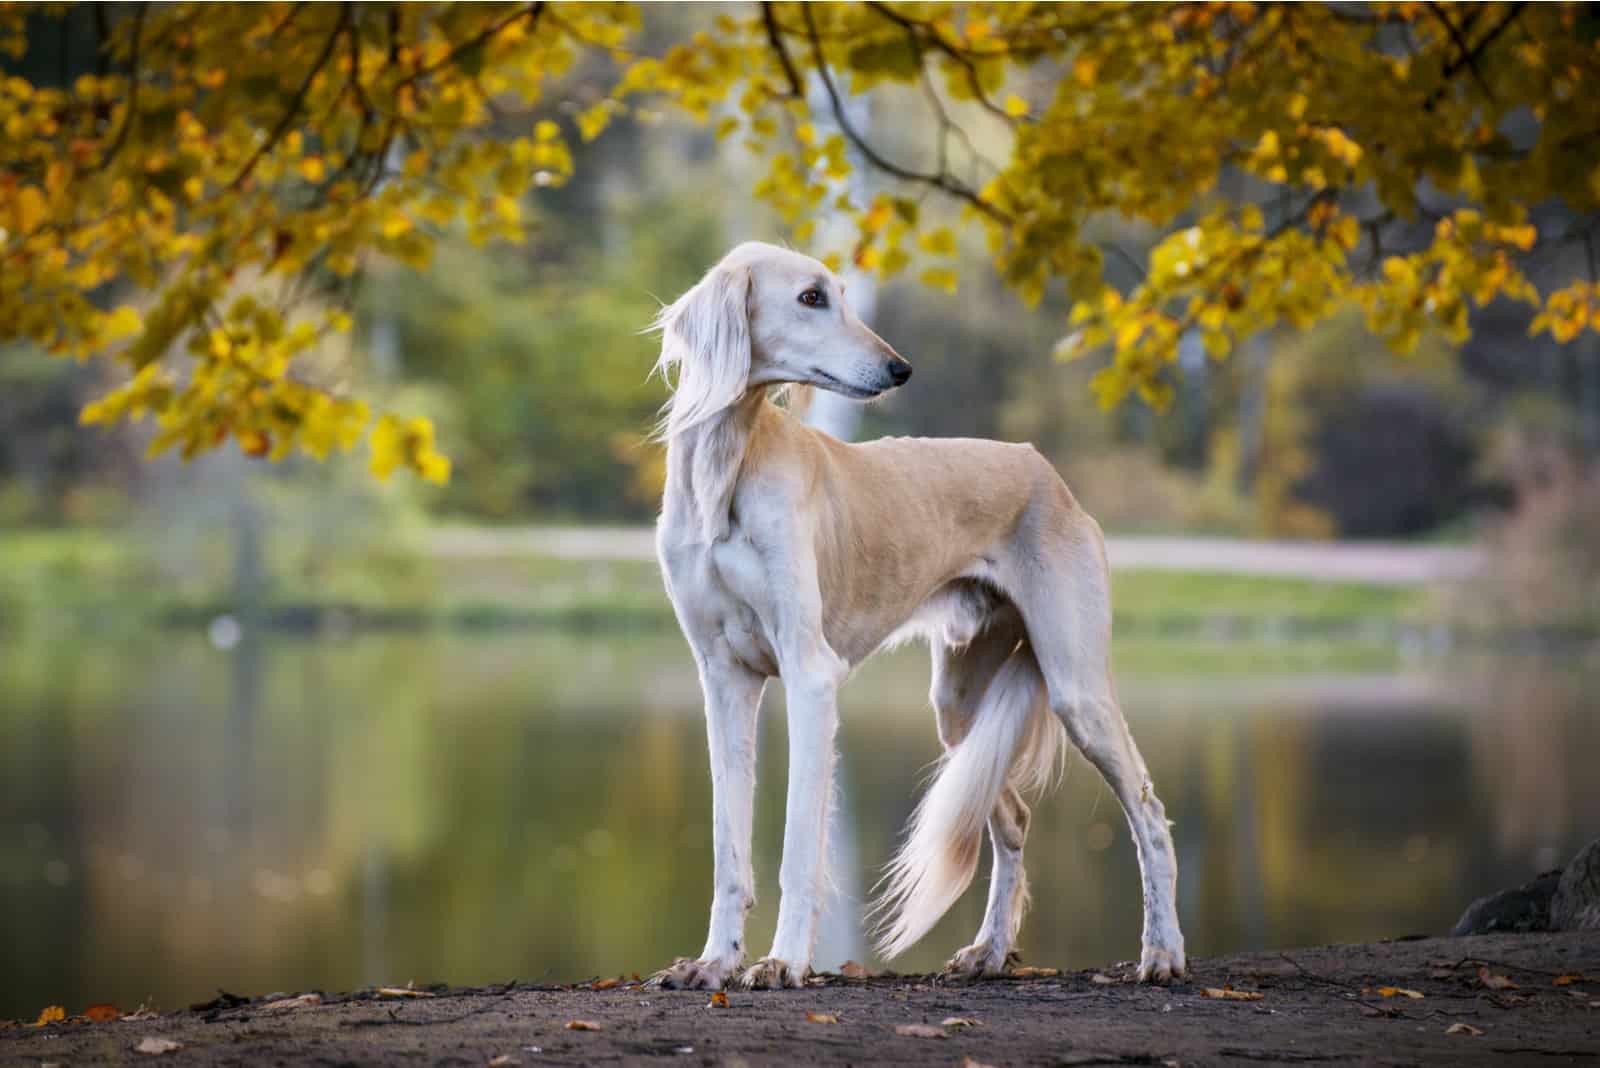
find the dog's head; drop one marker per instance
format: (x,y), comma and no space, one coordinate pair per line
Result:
(766,315)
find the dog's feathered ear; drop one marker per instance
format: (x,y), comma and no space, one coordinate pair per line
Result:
(705,335)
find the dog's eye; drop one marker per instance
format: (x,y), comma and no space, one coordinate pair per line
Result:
(814,298)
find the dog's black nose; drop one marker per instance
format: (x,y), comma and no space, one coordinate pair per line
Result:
(900,371)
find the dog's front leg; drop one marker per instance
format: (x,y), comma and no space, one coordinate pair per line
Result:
(813,719)
(733,697)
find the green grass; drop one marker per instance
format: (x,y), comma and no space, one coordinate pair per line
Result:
(1191,596)
(107,579)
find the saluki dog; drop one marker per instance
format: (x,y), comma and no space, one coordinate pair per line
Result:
(788,553)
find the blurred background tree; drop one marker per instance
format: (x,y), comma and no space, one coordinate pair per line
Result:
(211,196)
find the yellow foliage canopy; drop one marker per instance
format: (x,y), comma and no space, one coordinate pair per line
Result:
(1387,154)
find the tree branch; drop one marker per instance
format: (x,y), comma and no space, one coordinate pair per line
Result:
(133,90)
(478,40)
(1469,57)
(939,180)
(776,38)
(1457,35)
(295,104)
(911,27)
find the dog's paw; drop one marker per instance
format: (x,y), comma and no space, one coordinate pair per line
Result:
(685,973)
(977,961)
(770,973)
(1160,964)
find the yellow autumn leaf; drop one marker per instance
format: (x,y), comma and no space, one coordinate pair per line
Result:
(593,121)
(1229,994)
(940,242)
(941,278)
(124,322)
(50,1014)
(1015,106)
(312,169)
(29,209)
(386,446)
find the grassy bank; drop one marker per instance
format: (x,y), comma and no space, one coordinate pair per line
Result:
(77,583)
(84,577)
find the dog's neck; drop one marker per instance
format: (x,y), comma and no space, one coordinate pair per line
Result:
(703,465)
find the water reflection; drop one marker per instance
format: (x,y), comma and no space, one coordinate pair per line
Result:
(295,814)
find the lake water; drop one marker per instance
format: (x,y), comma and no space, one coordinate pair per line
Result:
(293,814)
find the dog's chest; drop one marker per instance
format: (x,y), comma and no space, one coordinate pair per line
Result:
(722,593)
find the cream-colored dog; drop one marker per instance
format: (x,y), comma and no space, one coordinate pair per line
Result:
(788,553)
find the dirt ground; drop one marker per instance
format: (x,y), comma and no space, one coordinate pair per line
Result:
(1511,999)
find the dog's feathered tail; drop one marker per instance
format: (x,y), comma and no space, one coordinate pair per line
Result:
(1013,740)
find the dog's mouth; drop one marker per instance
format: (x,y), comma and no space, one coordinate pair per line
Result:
(839,385)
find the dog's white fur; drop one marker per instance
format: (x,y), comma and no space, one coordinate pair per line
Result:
(788,553)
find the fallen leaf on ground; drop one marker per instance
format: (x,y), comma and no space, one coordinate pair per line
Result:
(605,984)
(155,1047)
(293,1003)
(968,1062)
(822,1017)
(1568,979)
(854,970)
(50,1014)
(587,1025)
(505,1060)
(1459,1028)
(1102,980)
(402,992)
(958,1022)
(103,1012)
(1230,994)
(919,1031)
(1035,973)
(1398,991)
(719,1000)
(1494,982)
(1381,1010)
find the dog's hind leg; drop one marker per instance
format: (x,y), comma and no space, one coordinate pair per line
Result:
(961,676)
(1062,586)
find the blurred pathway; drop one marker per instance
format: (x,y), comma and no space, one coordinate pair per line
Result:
(1381,563)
